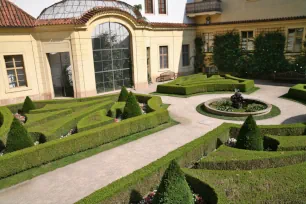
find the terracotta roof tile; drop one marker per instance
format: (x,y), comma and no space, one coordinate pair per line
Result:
(13,16)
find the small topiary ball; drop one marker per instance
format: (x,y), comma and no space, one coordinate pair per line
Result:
(28,105)
(18,137)
(249,136)
(124,94)
(131,108)
(173,188)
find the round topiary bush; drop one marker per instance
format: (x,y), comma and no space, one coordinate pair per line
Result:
(249,136)
(173,188)
(28,105)
(18,137)
(124,94)
(131,108)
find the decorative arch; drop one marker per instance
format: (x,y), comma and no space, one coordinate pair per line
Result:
(111,43)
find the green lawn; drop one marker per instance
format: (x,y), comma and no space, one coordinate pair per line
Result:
(274,112)
(31,173)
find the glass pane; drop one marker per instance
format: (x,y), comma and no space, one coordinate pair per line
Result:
(108,76)
(13,84)
(8,59)
(98,67)
(21,78)
(127,83)
(244,34)
(117,64)
(19,64)
(96,44)
(299,32)
(125,54)
(109,86)
(100,88)
(22,83)
(99,78)
(250,34)
(11,76)
(298,45)
(116,54)
(105,41)
(97,55)
(20,71)
(107,65)
(106,55)
(118,75)
(119,84)
(126,63)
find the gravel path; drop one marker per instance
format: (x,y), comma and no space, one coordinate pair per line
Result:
(71,183)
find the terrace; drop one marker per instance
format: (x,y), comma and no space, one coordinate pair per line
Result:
(206,7)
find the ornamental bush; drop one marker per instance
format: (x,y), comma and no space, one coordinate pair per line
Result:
(173,188)
(226,51)
(131,108)
(269,53)
(124,94)
(199,55)
(18,137)
(249,136)
(244,65)
(28,105)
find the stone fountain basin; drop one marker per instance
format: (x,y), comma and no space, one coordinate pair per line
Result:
(212,110)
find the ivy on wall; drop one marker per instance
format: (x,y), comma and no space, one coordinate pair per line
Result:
(199,55)
(269,54)
(226,51)
(300,62)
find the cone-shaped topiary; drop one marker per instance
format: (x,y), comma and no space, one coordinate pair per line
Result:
(18,137)
(28,105)
(124,94)
(249,136)
(131,108)
(173,188)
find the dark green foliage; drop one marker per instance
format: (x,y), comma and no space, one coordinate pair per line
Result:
(244,64)
(298,92)
(124,94)
(28,105)
(269,53)
(199,55)
(300,62)
(6,119)
(226,51)
(131,108)
(18,137)
(249,136)
(173,188)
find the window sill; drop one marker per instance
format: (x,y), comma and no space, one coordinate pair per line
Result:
(164,70)
(17,89)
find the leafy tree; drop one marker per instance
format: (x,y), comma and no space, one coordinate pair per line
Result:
(173,188)
(269,53)
(199,55)
(226,51)
(131,108)
(249,136)
(124,94)
(28,105)
(18,137)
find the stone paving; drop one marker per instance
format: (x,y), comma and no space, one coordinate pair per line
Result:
(71,183)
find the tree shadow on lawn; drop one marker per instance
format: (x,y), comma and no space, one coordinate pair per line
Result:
(295,119)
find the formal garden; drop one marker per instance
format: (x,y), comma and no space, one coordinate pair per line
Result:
(36,133)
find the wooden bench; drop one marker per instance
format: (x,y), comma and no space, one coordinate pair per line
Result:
(166,76)
(290,76)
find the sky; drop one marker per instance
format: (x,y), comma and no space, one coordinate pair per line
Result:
(34,7)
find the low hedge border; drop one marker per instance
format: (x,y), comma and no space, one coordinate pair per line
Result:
(94,120)
(6,119)
(297,92)
(244,85)
(269,160)
(22,160)
(146,179)
(116,109)
(292,143)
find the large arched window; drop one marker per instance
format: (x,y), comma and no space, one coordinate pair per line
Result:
(112,57)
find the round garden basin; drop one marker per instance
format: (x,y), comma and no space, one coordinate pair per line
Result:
(220,106)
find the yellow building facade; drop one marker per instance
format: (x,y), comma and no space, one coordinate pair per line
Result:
(49,58)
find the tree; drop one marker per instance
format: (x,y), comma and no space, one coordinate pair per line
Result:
(249,136)
(173,188)
(18,137)
(199,55)
(28,105)
(124,94)
(131,108)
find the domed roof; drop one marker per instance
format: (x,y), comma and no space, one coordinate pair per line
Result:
(77,8)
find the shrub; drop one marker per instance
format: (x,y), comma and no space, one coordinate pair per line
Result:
(298,92)
(255,107)
(269,53)
(226,51)
(249,136)
(244,65)
(18,137)
(124,94)
(131,108)
(199,55)
(28,105)
(6,119)
(173,187)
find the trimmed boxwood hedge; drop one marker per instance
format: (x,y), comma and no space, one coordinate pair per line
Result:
(147,178)
(6,119)
(94,120)
(298,92)
(292,143)
(116,109)
(230,83)
(22,160)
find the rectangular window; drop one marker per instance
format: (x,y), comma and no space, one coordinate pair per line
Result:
(208,39)
(15,71)
(295,40)
(247,40)
(162,6)
(163,53)
(185,55)
(149,6)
